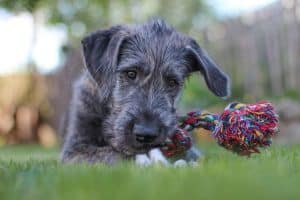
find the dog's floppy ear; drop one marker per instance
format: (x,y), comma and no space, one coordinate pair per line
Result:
(216,80)
(101,51)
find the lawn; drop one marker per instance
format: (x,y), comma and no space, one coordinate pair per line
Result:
(30,172)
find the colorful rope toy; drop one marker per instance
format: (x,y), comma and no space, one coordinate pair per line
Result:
(241,128)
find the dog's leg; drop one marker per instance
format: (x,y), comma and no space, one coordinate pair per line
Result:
(91,154)
(180,163)
(193,156)
(142,160)
(155,157)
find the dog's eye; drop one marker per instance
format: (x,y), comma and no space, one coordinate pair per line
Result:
(131,74)
(172,82)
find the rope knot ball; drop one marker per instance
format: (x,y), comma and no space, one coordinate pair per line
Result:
(241,128)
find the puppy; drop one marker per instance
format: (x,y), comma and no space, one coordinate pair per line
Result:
(124,104)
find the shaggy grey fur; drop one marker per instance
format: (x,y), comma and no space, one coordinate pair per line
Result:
(134,76)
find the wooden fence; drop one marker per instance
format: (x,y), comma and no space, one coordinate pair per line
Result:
(260,50)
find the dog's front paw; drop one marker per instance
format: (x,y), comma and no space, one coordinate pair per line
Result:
(142,160)
(193,155)
(184,163)
(180,163)
(157,157)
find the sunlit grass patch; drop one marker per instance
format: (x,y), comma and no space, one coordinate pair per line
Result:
(35,173)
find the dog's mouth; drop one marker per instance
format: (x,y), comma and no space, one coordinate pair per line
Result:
(142,147)
(147,147)
(129,143)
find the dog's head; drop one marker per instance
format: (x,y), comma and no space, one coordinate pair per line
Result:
(140,71)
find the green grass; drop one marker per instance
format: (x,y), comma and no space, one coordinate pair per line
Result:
(35,173)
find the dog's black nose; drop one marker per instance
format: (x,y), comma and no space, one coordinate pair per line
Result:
(145,132)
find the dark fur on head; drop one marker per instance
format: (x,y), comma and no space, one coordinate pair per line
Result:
(135,74)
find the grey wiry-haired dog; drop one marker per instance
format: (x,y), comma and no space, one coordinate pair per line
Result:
(124,104)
